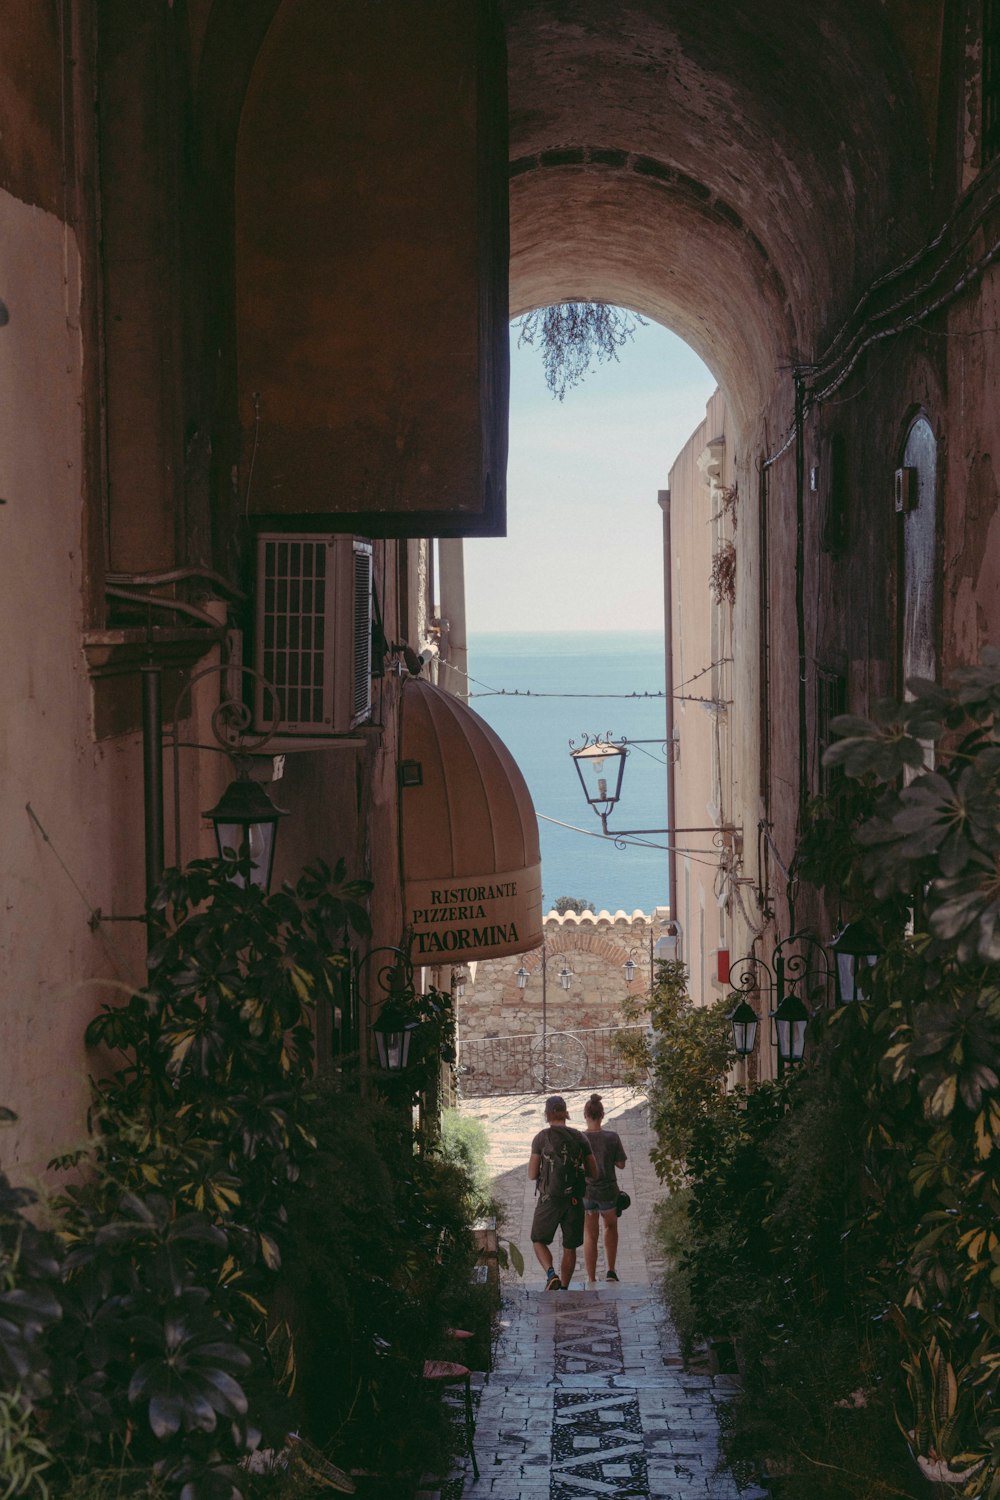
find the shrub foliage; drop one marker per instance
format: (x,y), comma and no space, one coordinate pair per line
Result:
(844,1224)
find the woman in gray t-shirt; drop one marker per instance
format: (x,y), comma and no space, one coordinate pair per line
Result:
(601,1193)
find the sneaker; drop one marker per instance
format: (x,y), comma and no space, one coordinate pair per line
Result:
(611,1276)
(552,1282)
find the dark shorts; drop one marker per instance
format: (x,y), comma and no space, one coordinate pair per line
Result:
(599,1205)
(552,1214)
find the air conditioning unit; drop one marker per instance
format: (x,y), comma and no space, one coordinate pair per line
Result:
(313,635)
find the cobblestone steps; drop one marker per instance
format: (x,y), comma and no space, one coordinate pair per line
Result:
(588,1396)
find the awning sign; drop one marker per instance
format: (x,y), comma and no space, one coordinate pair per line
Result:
(473,919)
(472,874)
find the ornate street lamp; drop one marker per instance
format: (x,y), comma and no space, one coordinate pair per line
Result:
(600,764)
(246,826)
(459,979)
(395,1024)
(392,1041)
(856,950)
(522,976)
(799,966)
(743,1019)
(790,1017)
(629,967)
(565,975)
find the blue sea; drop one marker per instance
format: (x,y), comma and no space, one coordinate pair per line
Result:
(541,690)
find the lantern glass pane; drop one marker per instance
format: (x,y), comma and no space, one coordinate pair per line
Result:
(253,839)
(791,1040)
(393,1049)
(798,1040)
(599,768)
(744,1037)
(846,982)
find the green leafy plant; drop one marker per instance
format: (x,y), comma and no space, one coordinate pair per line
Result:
(685,1058)
(26,1460)
(572,904)
(377,1269)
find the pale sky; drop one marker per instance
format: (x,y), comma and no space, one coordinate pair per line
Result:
(583,549)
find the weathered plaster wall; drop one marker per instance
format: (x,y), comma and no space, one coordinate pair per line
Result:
(712,694)
(87,796)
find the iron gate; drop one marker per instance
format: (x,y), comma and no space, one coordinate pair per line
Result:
(531,1063)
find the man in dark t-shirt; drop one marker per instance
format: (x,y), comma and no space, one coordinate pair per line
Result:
(560,1159)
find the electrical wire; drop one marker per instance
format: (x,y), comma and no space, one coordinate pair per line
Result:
(93,913)
(494,692)
(637,843)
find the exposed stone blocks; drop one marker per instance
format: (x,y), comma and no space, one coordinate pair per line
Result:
(594,947)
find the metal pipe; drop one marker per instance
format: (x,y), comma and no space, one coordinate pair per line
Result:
(451,562)
(663,498)
(545,1019)
(800,605)
(177,575)
(152,781)
(155,601)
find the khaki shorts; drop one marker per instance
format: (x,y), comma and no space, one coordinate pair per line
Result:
(552,1214)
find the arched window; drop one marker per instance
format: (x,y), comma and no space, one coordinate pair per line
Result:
(917,501)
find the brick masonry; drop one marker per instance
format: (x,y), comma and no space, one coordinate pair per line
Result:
(595,947)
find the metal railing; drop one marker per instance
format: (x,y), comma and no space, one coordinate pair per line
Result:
(531,1063)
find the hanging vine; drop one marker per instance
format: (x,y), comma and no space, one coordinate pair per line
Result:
(723,576)
(573,336)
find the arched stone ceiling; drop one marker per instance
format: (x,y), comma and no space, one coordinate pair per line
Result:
(736,170)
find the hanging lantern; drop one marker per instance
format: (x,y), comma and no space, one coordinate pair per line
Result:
(856,951)
(629,967)
(565,975)
(458,982)
(600,767)
(790,1020)
(246,825)
(522,977)
(743,1020)
(392,1041)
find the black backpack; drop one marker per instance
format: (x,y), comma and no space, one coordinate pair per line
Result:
(561,1171)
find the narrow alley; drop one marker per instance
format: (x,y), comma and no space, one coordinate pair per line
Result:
(588,1395)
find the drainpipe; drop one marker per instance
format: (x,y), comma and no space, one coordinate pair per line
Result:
(152,754)
(451,559)
(663,499)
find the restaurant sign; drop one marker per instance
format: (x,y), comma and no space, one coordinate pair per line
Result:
(482,918)
(472,874)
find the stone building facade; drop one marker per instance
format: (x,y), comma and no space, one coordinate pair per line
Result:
(594,947)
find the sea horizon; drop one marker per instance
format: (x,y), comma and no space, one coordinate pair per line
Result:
(582,682)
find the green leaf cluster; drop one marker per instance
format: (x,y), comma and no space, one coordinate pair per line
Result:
(682,1060)
(844,1225)
(243,1250)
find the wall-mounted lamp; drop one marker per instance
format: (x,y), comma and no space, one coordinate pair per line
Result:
(799,972)
(600,765)
(245,818)
(856,950)
(744,1022)
(246,828)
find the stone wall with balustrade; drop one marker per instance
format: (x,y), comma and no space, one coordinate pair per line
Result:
(594,948)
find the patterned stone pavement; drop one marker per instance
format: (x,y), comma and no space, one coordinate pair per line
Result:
(588,1396)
